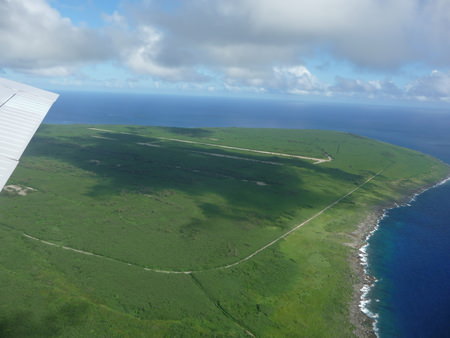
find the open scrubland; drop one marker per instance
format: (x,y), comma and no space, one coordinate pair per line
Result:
(129,231)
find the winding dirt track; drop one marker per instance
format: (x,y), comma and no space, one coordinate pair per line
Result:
(223,267)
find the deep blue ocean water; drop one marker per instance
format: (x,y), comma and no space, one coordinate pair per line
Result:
(409,255)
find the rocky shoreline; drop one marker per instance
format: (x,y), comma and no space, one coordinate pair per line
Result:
(361,318)
(364,325)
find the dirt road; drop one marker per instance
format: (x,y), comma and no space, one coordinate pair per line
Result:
(223,267)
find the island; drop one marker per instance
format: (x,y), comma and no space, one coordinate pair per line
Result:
(134,231)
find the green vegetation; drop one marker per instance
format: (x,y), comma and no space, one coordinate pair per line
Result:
(133,201)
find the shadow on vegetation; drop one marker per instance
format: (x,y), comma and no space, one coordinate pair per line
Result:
(125,166)
(191,132)
(25,324)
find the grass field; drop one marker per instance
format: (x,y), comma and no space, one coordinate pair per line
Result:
(134,199)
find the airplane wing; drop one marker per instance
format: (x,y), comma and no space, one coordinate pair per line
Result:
(22,109)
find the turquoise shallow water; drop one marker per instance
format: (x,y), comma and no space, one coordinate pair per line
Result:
(409,255)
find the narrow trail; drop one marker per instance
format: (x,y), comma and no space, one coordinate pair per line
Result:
(221,308)
(223,267)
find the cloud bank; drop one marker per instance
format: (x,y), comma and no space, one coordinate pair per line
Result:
(259,45)
(34,38)
(256,33)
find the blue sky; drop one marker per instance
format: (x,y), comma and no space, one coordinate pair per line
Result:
(347,50)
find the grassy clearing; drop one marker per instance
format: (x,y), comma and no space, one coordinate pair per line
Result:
(130,195)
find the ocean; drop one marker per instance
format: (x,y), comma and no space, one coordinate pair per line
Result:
(410,253)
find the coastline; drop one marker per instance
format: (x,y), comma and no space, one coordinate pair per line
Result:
(363,320)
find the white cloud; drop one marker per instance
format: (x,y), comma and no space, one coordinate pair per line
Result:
(290,79)
(245,45)
(255,33)
(35,38)
(297,80)
(55,71)
(435,86)
(260,43)
(141,57)
(115,18)
(141,49)
(347,86)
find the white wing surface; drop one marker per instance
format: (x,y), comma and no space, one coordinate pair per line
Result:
(22,109)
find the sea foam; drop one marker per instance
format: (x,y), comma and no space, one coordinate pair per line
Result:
(370,281)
